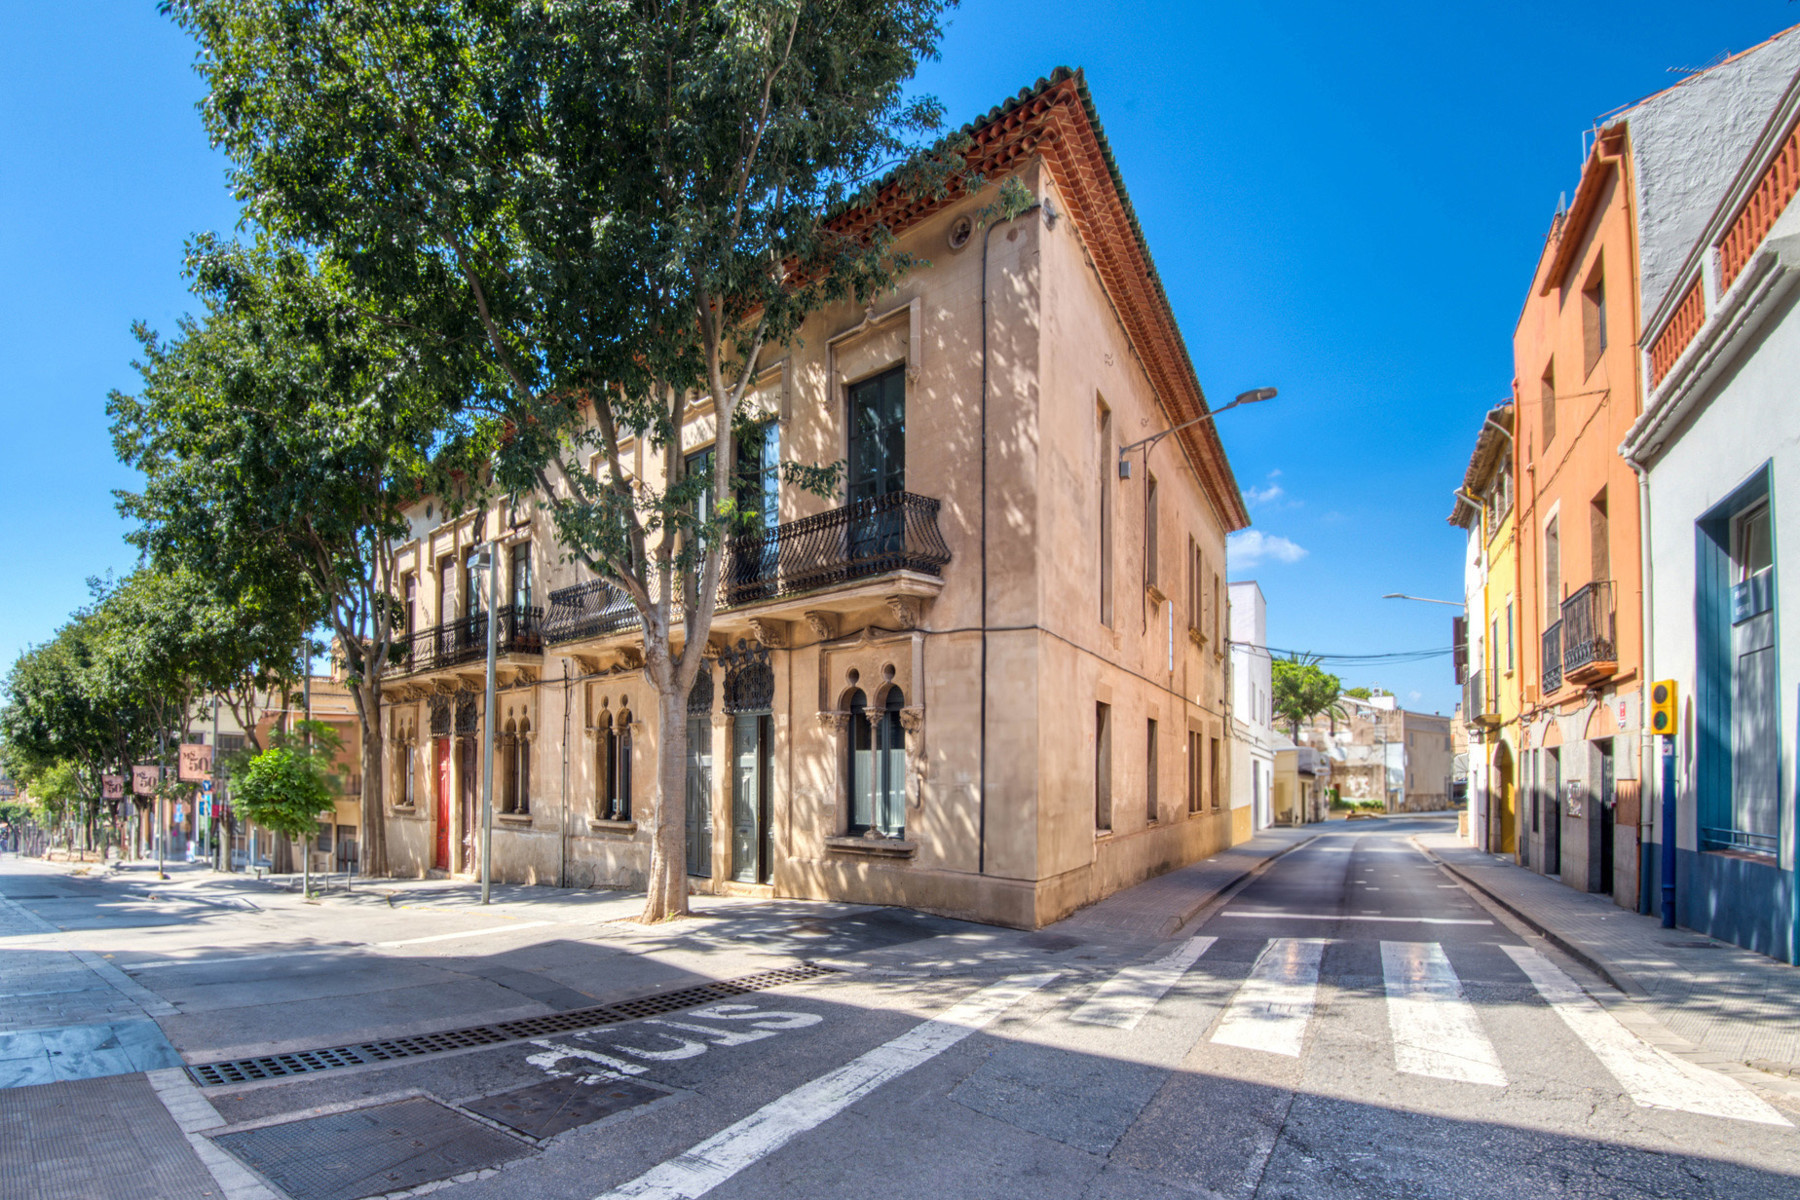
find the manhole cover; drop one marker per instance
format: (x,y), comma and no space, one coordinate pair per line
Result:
(547,1109)
(369,1151)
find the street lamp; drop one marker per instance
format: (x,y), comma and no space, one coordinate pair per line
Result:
(485,562)
(1424,599)
(1254,396)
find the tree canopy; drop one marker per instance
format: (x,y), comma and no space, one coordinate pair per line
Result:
(1303,690)
(618,208)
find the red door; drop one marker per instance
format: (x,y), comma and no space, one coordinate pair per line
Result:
(441,856)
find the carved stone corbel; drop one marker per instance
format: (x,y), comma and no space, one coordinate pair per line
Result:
(912,718)
(905,610)
(833,721)
(631,658)
(773,634)
(824,624)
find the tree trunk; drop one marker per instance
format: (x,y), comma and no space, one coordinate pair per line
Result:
(668,890)
(372,851)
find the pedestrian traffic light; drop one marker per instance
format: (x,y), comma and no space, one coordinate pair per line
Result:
(1664,701)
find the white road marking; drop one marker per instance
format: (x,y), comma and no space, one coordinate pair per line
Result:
(467,933)
(202,961)
(556,1052)
(1288,916)
(1651,1077)
(1434,1026)
(1122,1001)
(718,1158)
(1271,1009)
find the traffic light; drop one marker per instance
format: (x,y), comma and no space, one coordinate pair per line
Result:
(1665,718)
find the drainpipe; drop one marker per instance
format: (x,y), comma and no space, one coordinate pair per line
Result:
(1646,751)
(981,769)
(562,835)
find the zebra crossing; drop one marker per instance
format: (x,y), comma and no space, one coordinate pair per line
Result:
(1436,1029)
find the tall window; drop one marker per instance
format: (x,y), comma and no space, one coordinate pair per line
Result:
(409,781)
(1599,538)
(446,597)
(700,463)
(612,766)
(1212,770)
(1547,403)
(759,473)
(1509,635)
(474,595)
(1150,529)
(877,766)
(1150,809)
(1552,573)
(1194,570)
(515,767)
(523,585)
(1105,438)
(411,592)
(1193,772)
(1593,319)
(878,435)
(1218,645)
(1102,767)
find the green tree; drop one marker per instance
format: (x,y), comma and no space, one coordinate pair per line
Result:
(280,436)
(1303,690)
(287,786)
(1358,693)
(628,203)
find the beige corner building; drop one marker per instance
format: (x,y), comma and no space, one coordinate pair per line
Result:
(990,679)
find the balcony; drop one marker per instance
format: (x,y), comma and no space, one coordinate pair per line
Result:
(1588,651)
(1552,672)
(861,540)
(1478,702)
(464,640)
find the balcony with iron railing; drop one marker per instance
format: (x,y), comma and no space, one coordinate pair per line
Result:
(1551,675)
(861,540)
(519,631)
(1588,650)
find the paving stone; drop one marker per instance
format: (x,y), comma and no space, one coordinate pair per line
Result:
(95,1139)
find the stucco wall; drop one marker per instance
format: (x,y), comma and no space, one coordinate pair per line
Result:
(1688,142)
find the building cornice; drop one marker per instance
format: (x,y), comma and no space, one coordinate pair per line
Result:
(1056,123)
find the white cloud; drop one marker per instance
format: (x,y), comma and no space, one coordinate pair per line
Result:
(1262,495)
(1252,547)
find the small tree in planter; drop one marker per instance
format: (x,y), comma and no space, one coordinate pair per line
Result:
(287,786)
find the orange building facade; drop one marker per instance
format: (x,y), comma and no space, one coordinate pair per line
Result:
(1580,596)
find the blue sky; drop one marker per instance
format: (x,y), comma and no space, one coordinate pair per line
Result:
(1344,201)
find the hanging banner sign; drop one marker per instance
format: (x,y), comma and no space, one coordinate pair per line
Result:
(196,762)
(144,778)
(112,787)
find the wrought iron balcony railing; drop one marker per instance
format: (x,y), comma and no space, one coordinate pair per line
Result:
(519,630)
(864,538)
(587,610)
(1587,633)
(896,532)
(1552,661)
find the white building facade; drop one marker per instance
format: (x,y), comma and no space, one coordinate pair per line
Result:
(1718,453)
(1252,707)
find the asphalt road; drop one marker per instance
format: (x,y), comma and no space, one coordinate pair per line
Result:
(1350,1023)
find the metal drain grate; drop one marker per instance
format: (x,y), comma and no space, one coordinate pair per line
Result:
(305,1062)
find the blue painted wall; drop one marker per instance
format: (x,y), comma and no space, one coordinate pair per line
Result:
(1735,899)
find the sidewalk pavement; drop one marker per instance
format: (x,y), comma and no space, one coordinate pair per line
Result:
(1727,1001)
(1157,908)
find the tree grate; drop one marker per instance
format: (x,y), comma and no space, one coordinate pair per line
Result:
(306,1062)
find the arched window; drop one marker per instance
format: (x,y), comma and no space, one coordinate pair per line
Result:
(619,773)
(877,768)
(891,744)
(603,765)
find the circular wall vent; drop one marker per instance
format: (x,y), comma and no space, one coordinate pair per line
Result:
(961,230)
